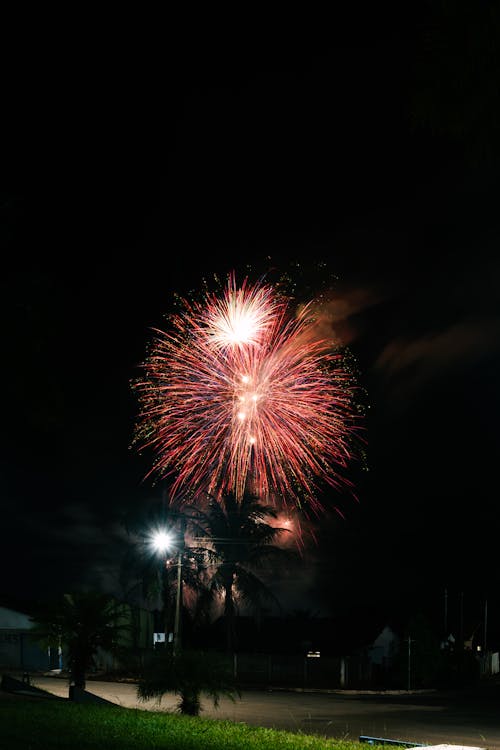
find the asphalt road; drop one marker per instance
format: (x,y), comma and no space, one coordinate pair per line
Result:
(469,718)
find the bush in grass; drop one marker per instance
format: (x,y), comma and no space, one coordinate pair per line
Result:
(188,674)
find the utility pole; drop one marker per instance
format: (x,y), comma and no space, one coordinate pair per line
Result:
(410,641)
(461,621)
(446,613)
(485,624)
(162,541)
(166,608)
(178,597)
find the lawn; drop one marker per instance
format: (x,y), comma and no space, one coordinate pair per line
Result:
(54,725)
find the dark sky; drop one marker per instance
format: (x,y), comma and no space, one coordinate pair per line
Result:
(139,167)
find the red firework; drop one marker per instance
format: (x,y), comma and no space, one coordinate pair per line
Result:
(240,395)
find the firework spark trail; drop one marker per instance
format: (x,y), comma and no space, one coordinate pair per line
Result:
(239,395)
(241,316)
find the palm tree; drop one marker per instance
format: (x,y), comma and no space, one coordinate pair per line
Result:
(82,622)
(188,674)
(240,543)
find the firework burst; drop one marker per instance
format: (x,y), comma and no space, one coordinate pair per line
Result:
(239,394)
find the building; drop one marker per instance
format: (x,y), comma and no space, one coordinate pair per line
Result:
(18,650)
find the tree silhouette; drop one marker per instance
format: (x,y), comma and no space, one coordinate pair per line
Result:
(188,674)
(239,543)
(82,623)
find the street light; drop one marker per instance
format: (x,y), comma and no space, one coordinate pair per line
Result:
(162,542)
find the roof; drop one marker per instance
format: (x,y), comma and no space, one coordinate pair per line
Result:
(12,620)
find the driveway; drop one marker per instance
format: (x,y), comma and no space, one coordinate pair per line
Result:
(462,718)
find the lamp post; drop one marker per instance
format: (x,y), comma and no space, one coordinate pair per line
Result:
(162,542)
(177,620)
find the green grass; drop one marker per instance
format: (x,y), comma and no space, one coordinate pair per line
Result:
(54,725)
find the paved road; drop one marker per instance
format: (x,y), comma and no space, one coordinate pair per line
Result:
(471,718)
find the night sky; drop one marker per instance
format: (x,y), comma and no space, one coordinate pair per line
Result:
(370,145)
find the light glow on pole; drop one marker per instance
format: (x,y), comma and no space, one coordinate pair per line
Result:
(162,541)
